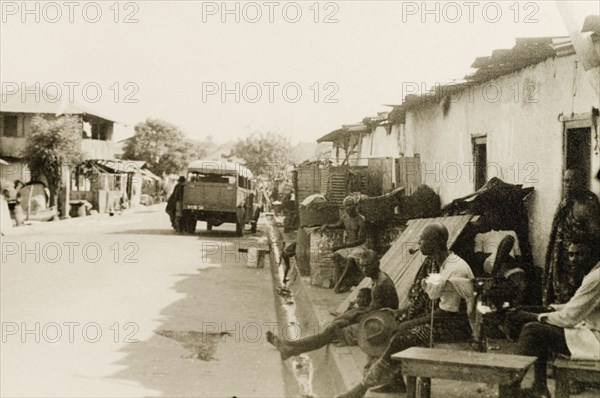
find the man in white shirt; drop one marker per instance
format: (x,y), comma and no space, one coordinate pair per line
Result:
(572,329)
(451,286)
(488,240)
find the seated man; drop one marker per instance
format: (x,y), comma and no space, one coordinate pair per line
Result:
(345,271)
(579,255)
(488,241)
(452,286)
(573,329)
(383,295)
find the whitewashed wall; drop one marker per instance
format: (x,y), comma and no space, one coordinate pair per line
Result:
(524,136)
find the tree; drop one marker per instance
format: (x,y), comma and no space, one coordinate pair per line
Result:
(265,153)
(161,145)
(52,146)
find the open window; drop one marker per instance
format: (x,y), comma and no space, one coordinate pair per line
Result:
(10,125)
(577,145)
(480,160)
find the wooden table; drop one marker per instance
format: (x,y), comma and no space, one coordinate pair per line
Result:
(427,363)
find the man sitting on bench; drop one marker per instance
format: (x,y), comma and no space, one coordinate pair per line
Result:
(573,329)
(453,285)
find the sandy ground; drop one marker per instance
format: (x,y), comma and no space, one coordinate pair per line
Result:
(123,306)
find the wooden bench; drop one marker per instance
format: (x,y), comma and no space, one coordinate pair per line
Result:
(566,370)
(427,363)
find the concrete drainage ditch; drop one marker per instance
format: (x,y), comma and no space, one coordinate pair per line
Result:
(315,374)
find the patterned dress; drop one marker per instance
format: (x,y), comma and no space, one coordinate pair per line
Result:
(575,220)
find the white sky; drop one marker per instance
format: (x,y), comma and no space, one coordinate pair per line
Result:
(170,53)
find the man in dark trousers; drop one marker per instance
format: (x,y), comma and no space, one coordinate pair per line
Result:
(174,204)
(572,329)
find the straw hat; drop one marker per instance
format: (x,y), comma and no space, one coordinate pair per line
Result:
(375,332)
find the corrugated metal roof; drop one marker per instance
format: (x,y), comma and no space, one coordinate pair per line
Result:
(346,130)
(118,166)
(332,136)
(526,52)
(219,167)
(147,174)
(402,266)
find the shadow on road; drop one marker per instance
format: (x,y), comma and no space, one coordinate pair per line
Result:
(174,363)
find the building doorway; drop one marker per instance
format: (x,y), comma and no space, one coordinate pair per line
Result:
(578,151)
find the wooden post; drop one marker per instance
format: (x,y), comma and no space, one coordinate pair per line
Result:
(65,196)
(424,387)
(411,387)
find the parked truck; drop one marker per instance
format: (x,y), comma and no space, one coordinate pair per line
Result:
(219,192)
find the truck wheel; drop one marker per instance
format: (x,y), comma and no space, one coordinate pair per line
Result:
(209,226)
(239,228)
(192,226)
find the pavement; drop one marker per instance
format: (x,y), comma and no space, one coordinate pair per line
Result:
(123,306)
(339,368)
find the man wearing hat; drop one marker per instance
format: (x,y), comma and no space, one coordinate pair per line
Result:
(345,270)
(452,286)
(383,295)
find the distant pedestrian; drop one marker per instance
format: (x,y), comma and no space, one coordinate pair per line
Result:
(175,206)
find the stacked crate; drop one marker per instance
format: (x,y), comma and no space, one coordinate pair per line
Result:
(321,264)
(309,180)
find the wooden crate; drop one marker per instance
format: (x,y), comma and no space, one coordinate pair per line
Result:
(321,265)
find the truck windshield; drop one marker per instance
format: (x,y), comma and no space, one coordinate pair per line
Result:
(214,178)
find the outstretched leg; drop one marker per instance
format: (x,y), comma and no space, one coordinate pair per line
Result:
(289,348)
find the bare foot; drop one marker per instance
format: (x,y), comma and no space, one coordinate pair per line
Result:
(271,338)
(279,344)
